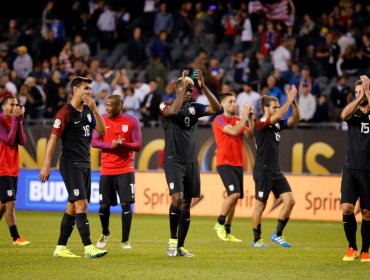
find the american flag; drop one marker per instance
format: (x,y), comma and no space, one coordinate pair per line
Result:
(274,10)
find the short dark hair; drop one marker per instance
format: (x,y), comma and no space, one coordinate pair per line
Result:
(5,99)
(76,82)
(116,98)
(224,95)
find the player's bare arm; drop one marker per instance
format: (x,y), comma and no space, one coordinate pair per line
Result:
(214,106)
(100,124)
(366,86)
(291,95)
(236,129)
(296,117)
(180,90)
(50,148)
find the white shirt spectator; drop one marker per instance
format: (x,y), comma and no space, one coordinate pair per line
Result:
(107,21)
(281,57)
(247,33)
(307,106)
(250,97)
(132,106)
(142,91)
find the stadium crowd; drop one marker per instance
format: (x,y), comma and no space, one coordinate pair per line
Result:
(140,57)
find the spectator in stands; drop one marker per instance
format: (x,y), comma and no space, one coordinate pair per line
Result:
(136,50)
(349,63)
(246,36)
(23,64)
(270,39)
(328,53)
(162,48)
(107,27)
(183,21)
(169,91)
(141,89)
(306,104)
(156,71)
(163,20)
(131,103)
(339,96)
(240,67)
(281,59)
(8,84)
(248,95)
(49,47)
(82,47)
(150,105)
(100,99)
(306,79)
(365,53)
(120,82)
(52,94)
(322,110)
(98,85)
(36,99)
(216,72)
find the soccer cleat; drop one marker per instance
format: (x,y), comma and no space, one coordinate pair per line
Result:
(365,257)
(280,241)
(21,242)
(351,255)
(172,248)
(259,244)
(221,232)
(126,245)
(91,252)
(63,252)
(182,252)
(102,242)
(232,238)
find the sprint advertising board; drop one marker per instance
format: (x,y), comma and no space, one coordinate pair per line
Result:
(32,194)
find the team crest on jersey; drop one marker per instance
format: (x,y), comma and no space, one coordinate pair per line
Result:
(162,106)
(172,185)
(57,123)
(9,192)
(192,110)
(124,127)
(277,125)
(89,117)
(76,192)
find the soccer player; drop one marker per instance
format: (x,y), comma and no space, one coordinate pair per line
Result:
(356,171)
(11,135)
(267,173)
(179,120)
(74,124)
(229,129)
(117,176)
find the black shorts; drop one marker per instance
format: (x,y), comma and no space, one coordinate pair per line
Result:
(269,180)
(78,183)
(111,185)
(232,177)
(8,188)
(355,184)
(183,178)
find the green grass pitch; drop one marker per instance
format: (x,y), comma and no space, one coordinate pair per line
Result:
(318,248)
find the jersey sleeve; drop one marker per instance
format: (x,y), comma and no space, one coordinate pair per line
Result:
(283,124)
(61,121)
(163,106)
(200,110)
(262,123)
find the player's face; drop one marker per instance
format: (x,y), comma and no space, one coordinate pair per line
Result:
(84,89)
(229,105)
(112,108)
(273,108)
(358,90)
(188,94)
(10,106)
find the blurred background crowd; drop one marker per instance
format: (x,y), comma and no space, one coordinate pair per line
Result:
(137,50)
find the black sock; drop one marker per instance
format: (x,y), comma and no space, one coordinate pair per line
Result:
(14,232)
(84,228)
(66,228)
(257,233)
(126,221)
(280,226)
(228,229)
(184,224)
(104,214)
(221,219)
(365,233)
(350,228)
(174,220)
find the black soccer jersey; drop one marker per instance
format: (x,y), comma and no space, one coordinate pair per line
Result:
(75,128)
(180,133)
(267,137)
(358,147)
